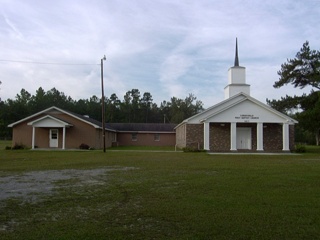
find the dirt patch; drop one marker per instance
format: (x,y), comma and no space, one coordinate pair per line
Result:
(31,185)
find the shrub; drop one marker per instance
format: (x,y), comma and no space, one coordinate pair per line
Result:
(8,148)
(84,146)
(192,149)
(300,148)
(18,146)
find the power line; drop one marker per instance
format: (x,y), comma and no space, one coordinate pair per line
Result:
(48,63)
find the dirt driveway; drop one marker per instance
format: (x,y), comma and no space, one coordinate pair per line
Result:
(31,185)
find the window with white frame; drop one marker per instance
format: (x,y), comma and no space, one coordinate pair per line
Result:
(156,137)
(114,137)
(134,136)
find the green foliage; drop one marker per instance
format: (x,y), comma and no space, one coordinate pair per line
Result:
(302,71)
(84,146)
(286,104)
(192,149)
(299,148)
(18,146)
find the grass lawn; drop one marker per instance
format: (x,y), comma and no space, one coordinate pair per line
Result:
(158,195)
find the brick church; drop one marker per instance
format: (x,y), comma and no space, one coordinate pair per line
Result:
(240,123)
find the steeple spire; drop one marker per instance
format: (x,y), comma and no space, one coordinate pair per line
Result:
(236,60)
(236,78)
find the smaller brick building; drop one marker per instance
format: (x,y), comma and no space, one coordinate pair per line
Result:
(239,123)
(56,128)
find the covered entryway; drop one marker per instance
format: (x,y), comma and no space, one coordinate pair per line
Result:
(53,124)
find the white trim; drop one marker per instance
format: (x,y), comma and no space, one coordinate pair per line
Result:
(225,109)
(50,109)
(262,105)
(61,122)
(156,137)
(259,136)
(285,137)
(64,138)
(206,135)
(232,101)
(233,136)
(134,137)
(33,136)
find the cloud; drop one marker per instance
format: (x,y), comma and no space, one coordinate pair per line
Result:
(167,48)
(14,31)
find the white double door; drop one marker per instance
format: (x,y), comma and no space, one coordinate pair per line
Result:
(244,138)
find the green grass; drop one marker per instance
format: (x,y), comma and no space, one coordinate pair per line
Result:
(4,144)
(166,195)
(144,148)
(313,149)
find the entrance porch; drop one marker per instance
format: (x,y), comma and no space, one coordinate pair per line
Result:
(269,137)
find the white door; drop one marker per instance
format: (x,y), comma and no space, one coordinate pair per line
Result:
(243,138)
(53,138)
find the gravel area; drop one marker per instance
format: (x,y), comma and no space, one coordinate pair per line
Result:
(29,186)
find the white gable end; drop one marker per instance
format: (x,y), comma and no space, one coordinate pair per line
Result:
(48,121)
(214,109)
(240,108)
(247,111)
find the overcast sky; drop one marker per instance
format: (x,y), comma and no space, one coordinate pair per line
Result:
(165,47)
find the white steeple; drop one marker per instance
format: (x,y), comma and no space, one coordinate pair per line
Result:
(236,79)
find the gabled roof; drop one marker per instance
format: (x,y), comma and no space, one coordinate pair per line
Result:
(230,104)
(121,127)
(90,121)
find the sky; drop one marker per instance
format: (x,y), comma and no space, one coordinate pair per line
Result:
(169,48)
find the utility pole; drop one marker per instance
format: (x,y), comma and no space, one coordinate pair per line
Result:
(103,108)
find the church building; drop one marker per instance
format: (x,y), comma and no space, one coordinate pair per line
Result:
(240,123)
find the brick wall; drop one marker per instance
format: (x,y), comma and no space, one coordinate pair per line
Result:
(181,140)
(220,137)
(146,139)
(291,136)
(272,137)
(194,136)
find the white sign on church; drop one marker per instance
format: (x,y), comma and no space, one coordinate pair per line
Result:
(247,117)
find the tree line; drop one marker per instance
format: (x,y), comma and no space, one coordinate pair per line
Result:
(133,108)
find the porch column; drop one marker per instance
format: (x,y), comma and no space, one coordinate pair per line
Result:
(33,136)
(206,135)
(64,138)
(285,137)
(259,136)
(233,136)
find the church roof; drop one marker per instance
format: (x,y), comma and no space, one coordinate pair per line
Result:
(240,108)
